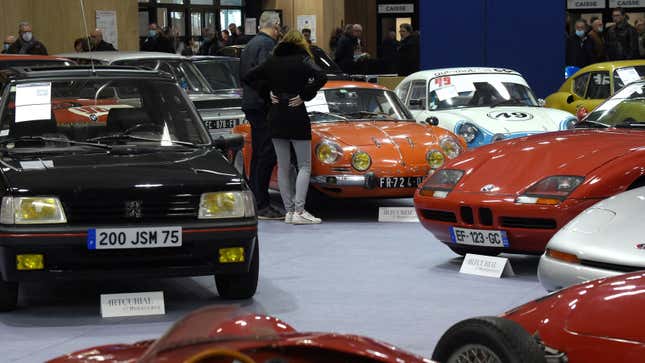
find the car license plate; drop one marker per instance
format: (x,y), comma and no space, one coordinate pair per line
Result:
(390,182)
(479,237)
(221,124)
(140,237)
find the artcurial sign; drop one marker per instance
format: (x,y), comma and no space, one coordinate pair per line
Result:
(586,4)
(395,8)
(626,3)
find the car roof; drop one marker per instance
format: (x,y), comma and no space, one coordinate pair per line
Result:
(21,73)
(110,57)
(355,84)
(612,65)
(11,57)
(433,73)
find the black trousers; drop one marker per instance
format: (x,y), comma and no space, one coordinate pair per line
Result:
(263,158)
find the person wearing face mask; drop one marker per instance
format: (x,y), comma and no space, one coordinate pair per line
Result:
(598,51)
(579,46)
(263,157)
(156,41)
(7,43)
(622,38)
(26,42)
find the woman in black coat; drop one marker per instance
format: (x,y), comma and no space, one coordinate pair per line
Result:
(290,77)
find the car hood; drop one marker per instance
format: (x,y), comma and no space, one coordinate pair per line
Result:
(514,165)
(606,232)
(377,133)
(172,171)
(507,119)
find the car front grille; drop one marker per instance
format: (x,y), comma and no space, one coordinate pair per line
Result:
(106,209)
(438,215)
(530,223)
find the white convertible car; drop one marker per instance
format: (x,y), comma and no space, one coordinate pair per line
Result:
(482,105)
(605,240)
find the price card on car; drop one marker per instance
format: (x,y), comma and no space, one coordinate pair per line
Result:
(479,237)
(140,237)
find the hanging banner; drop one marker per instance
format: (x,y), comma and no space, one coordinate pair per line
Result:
(106,21)
(586,4)
(626,3)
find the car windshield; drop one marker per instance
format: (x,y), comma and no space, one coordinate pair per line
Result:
(98,112)
(353,103)
(478,90)
(4,64)
(185,72)
(627,75)
(625,109)
(221,74)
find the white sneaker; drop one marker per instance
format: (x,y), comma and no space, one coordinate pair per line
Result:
(288,218)
(304,218)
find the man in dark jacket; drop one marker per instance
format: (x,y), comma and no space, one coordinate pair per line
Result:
(388,52)
(408,51)
(210,45)
(598,53)
(98,44)
(156,41)
(344,55)
(263,159)
(622,38)
(579,46)
(26,42)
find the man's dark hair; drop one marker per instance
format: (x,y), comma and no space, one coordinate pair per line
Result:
(407,27)
(593,19)
(306,30)
(622,11)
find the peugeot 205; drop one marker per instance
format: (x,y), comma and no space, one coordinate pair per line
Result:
(109,173)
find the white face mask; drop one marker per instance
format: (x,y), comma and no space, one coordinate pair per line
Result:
(27,37)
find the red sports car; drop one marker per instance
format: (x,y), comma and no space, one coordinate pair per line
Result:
(513,196)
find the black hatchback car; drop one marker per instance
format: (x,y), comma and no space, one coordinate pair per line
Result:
(109,173)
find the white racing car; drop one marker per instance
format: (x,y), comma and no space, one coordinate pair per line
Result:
(482,105)
(604,240)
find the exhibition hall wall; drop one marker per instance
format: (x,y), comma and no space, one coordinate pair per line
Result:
(497,33)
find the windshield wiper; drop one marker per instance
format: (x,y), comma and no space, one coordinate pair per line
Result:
(343,118)
(54,139)
(369,113)
(510,101)
(132,137)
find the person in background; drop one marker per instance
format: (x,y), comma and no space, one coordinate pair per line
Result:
(210,45)
(598,51)
(293,78)
(26,42)
(344,55)
(579,46)
(263,158)
(388,52)
(357,33)
(97,42)
(408,55)
(241,38)
(156,41)
(232,29)
(189,48)
(640,28)
(81,45)
(226,37)
(306,32)
(7,43)
(621,39)
(333,39)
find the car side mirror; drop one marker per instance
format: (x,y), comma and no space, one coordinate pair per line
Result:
(570,99)
(228,142)
(541,102)
(432,121)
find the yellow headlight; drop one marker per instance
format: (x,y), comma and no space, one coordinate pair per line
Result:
(221,205)
(450,146)
(328,152)
(32,210)
(435,159)
(361,161)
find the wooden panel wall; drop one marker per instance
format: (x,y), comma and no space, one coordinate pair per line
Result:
(57,23)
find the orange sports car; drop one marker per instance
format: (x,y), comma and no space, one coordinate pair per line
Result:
(366,144)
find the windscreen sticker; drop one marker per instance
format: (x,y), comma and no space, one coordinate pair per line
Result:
(33,101)
(318,103)
(443,81)
(510,116)
(36,164)
(446,93)
(628,75)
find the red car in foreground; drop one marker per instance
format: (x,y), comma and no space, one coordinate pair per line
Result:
(597,321)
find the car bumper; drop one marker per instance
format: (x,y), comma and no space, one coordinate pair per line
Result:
(555,274)
(528,227)
(66,255)
(359,186)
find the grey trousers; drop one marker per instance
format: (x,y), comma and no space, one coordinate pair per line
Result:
(293,192)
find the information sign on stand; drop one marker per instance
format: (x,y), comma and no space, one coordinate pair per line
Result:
(132,304)
(397,214)
(488,266)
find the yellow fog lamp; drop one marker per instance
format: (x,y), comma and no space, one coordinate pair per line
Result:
(231,255)
(30,262)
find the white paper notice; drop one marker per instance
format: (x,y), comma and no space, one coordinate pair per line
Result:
(628,75)
(307,22)
(446,93)
(318,103)
(133,304)
(488,266)
(250,26)
(33,101)
(397,214)
(106,21)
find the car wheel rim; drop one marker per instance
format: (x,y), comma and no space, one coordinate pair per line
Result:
(474,353)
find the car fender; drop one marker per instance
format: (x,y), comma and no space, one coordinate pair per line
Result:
(613,177)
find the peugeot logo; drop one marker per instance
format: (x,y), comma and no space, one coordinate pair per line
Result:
(489,188)
(641,246)
(133,209)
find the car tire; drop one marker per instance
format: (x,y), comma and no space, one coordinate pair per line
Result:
(488,336)
(462,251)
(240,286)
(8,295)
